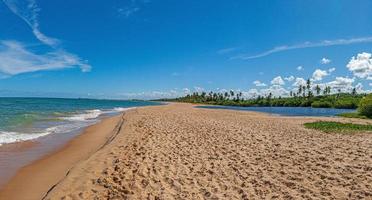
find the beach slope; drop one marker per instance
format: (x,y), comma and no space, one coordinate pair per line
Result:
(35,180)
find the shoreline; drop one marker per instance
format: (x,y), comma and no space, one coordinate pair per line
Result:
(48,169)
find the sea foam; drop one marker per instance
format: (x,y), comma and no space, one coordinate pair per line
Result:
(11,137)
(87,115)
(73,123)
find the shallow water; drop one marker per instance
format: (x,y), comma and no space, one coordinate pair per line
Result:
(23,119)
(288,111)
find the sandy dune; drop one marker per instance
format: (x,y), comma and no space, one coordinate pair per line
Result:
(180,152)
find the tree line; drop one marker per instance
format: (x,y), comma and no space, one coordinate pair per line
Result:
(305,96)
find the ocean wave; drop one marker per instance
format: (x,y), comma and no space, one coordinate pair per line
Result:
(72,123)
(12,137)
(87,115)
(120,109)
(7,137)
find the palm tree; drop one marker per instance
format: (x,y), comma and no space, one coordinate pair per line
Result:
(226,95)
(304,90)
(354,92)
(317,88)
(299,89)
(308,84)
(231,93)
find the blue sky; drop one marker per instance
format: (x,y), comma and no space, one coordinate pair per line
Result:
(151,48)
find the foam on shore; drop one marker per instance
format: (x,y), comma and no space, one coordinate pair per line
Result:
(72,122)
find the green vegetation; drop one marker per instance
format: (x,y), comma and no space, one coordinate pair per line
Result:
(365,106)
(353,115)
(337,127)
(305,96)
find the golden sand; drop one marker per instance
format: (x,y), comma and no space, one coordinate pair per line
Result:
(181,152)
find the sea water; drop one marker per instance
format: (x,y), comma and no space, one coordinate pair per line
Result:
(23,119)
(288,111)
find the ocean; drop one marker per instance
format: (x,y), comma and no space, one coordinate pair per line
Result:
(23,119)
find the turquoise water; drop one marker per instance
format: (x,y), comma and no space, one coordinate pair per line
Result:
(30,118)
(288,111)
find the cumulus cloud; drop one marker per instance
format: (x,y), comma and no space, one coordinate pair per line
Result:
(277,81)
(319,74)
(198,89)
(305,45)
(300,68)
(299,81)
(359,87)
(289,78)
(325,61)
(275,90)
(361,65)
(258,83)
(342,83)
(16,59)
(330,70)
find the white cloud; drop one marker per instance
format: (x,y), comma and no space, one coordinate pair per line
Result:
(319,74)
(359,87)
(342,83)
(258,83)
(361,65)
(132,7)
(16,59)
(325,61)
(330,70)
(299,81)
(289,78)
(323,43)
(277,81)
(300,68)
(127,12)
(226,50)
(28,12)
(252,93)
(198,89)
(275,90)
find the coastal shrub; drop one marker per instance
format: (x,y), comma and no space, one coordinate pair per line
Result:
(352,115)
(365,106)
(321,104)
(306,103)
(337,127)
(347,102)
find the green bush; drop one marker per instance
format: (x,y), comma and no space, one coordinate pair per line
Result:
(365,106)
(321,104)
(347,103)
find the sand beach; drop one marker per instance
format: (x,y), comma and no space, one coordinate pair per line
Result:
(181,152)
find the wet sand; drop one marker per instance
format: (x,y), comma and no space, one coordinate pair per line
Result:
(34,180)
(180,152)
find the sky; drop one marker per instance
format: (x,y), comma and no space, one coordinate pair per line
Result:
(147,49)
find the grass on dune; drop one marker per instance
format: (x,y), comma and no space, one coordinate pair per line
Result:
(353,115)
(337,127)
